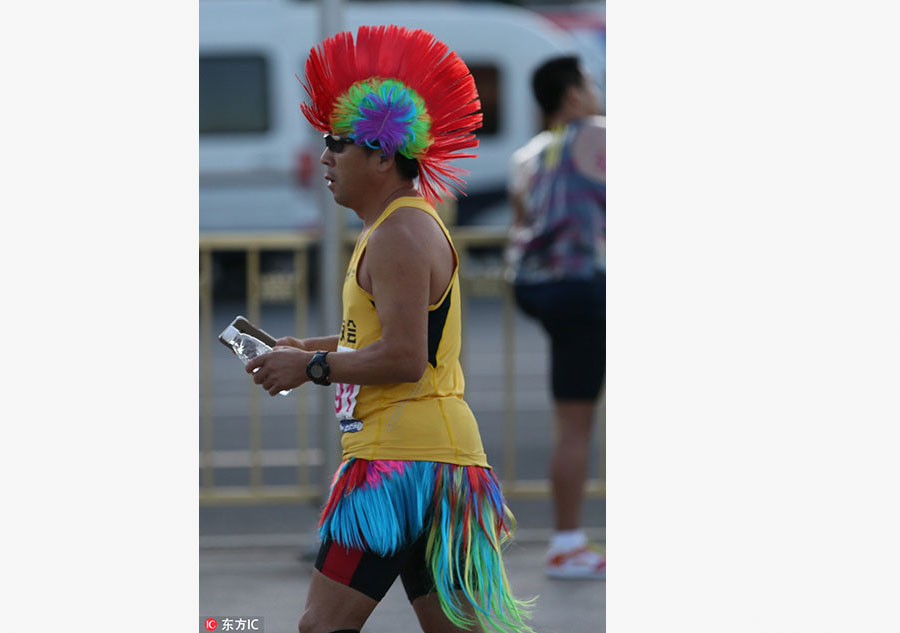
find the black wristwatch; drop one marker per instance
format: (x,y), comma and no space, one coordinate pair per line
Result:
(317,369)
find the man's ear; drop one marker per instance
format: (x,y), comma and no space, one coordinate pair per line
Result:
(385,163)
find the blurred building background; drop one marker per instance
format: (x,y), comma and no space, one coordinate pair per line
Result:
(255,148)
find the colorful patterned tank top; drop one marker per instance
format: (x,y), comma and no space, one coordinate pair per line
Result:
(565,212)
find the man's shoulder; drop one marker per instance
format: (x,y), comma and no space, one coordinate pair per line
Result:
(589,148)
(592,127)
(407,226)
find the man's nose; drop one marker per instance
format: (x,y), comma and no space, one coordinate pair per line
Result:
(326,158)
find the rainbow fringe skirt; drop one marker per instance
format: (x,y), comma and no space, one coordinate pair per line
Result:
(385,505)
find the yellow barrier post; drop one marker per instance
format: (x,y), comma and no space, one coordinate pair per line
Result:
(206,424)
(253,312)
(509,386)
(301,293)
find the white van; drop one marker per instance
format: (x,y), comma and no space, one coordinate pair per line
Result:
(258,155)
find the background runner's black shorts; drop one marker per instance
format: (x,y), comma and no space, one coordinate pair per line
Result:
(573,313)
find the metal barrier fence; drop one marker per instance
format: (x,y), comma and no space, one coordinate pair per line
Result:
(476,279)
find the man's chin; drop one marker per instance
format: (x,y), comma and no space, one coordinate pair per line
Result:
(339,200)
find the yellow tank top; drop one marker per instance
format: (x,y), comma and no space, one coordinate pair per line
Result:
(427,420)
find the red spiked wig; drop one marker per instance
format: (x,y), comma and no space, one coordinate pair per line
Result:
(399,90)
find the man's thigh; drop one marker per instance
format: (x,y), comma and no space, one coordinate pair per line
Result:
(361,570)
(332,606)
(346,585)
(416,573)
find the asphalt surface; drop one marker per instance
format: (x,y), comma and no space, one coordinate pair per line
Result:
(270,583)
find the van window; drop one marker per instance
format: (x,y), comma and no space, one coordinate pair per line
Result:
(487,80)
(233,94)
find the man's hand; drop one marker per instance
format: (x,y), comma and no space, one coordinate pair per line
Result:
(290,341)
(281,369)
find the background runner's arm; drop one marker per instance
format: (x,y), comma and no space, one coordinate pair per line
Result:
(517,187)
(518,208)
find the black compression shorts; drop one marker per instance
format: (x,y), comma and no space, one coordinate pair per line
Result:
(573,312)
(373,575)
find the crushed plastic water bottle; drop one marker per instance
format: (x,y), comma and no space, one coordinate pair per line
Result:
(247,347)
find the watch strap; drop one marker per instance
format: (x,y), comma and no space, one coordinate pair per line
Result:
(318,359)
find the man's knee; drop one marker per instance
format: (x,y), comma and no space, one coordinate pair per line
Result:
(309,624)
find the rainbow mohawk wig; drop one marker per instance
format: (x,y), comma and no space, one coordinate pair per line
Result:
(400,90)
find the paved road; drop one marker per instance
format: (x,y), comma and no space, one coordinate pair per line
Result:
(271,583)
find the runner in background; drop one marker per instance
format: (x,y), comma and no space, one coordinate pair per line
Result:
(558,192)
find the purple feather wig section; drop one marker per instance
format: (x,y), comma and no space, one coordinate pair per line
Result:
(387,116)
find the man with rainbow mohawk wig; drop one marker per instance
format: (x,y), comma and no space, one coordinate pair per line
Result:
(414,496)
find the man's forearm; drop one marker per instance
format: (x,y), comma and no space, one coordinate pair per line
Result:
(376,364)
(325,343)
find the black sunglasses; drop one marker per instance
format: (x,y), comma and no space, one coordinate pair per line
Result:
(336,143)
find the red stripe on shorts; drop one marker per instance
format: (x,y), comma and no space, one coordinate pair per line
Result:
(340,563)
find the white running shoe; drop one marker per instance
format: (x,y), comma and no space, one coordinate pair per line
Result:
(578,564)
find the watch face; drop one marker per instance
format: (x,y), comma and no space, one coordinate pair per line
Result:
(316,370)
